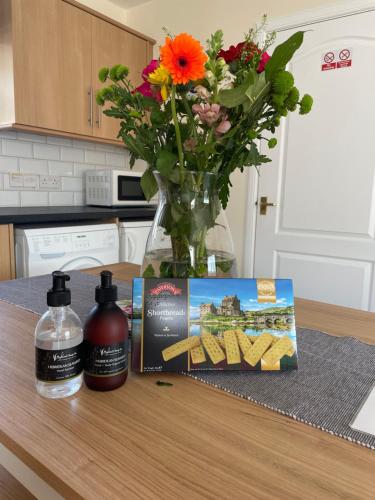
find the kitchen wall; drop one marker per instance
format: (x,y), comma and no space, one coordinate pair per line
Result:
(200,18)
(39,155)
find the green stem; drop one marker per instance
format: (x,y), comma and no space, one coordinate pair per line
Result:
(177,128)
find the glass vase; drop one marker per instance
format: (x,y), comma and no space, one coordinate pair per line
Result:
(190,236)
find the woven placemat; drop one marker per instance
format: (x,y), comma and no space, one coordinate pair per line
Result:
(334,374)
(31,293)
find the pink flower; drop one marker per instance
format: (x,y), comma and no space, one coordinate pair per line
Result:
(150,68)
(208,113)
(147,90)
(263,61)
(223,126)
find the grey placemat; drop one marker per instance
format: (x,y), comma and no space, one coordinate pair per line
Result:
(334,376)
(30,293)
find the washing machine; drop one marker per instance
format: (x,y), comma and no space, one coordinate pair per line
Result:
(41,250)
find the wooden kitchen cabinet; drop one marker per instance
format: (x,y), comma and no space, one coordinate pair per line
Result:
(52,65)
(110,46)
(7,264)
(51,51)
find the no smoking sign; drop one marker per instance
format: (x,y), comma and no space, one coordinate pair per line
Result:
(336,59)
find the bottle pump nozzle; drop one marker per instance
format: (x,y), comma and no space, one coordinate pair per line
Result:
(59,295)
(106,292)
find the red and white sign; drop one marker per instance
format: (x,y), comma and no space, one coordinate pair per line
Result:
(336,59)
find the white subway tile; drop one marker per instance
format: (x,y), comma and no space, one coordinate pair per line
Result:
(72,154)
(59,141)
(79,199)
(60,167)
(1,182)
(9,199)
(83,144)
(97,157)
(115,160)
(17,148)
(31,166)
(47,151)
(27,136)
(72,184)
(109,148)
(81,168)
(8,164)
(60,199)
(8,134)
(33,199)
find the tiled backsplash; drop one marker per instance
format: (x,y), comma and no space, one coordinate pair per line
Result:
(46,155)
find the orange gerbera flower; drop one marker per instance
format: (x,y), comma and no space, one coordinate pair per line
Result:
(184,58)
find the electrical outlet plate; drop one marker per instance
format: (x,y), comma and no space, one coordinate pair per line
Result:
(30,181)
(49,182)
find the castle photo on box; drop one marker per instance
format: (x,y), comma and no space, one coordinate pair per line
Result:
(236,305)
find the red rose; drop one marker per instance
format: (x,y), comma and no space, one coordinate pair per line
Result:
(263,61)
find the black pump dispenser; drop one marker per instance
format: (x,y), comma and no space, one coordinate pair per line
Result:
(59,295)
(106,292)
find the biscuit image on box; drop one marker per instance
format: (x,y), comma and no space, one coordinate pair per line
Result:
(257,350)
(180,347)
(278,350)
(197,355)
(243,341)
(213,348)
(231,347)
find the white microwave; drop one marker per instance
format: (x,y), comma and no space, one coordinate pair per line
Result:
(111,188)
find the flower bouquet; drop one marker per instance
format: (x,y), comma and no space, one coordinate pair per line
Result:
(198,116)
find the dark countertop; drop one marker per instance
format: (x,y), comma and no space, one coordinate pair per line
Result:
(42,215)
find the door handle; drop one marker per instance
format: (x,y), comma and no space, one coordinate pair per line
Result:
(264,204)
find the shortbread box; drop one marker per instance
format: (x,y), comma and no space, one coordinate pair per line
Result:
(213,324)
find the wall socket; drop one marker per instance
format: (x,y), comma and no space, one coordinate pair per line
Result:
(49,182)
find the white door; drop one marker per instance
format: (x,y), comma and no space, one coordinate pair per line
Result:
(321,233)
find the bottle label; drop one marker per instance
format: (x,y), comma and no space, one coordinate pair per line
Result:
(106,360)
(62,364)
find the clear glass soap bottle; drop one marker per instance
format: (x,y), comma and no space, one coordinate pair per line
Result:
(58,344)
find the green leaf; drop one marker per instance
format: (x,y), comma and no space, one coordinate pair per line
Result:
(149,184)
(157,117)
(149,272)
(254,157)
(231,98)
(165,162)
(282,54)
(166,270)
(163,384)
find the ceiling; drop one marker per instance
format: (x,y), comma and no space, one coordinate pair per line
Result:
(128,4)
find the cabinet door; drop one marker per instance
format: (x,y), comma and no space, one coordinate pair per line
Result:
(7,269)
(112,45)
(52,65)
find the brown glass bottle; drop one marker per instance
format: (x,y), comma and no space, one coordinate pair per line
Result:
(106,340)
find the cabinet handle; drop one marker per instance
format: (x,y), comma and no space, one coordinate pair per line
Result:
(99,116)
(89,94)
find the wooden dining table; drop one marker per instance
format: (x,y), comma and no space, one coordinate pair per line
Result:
(183,441)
